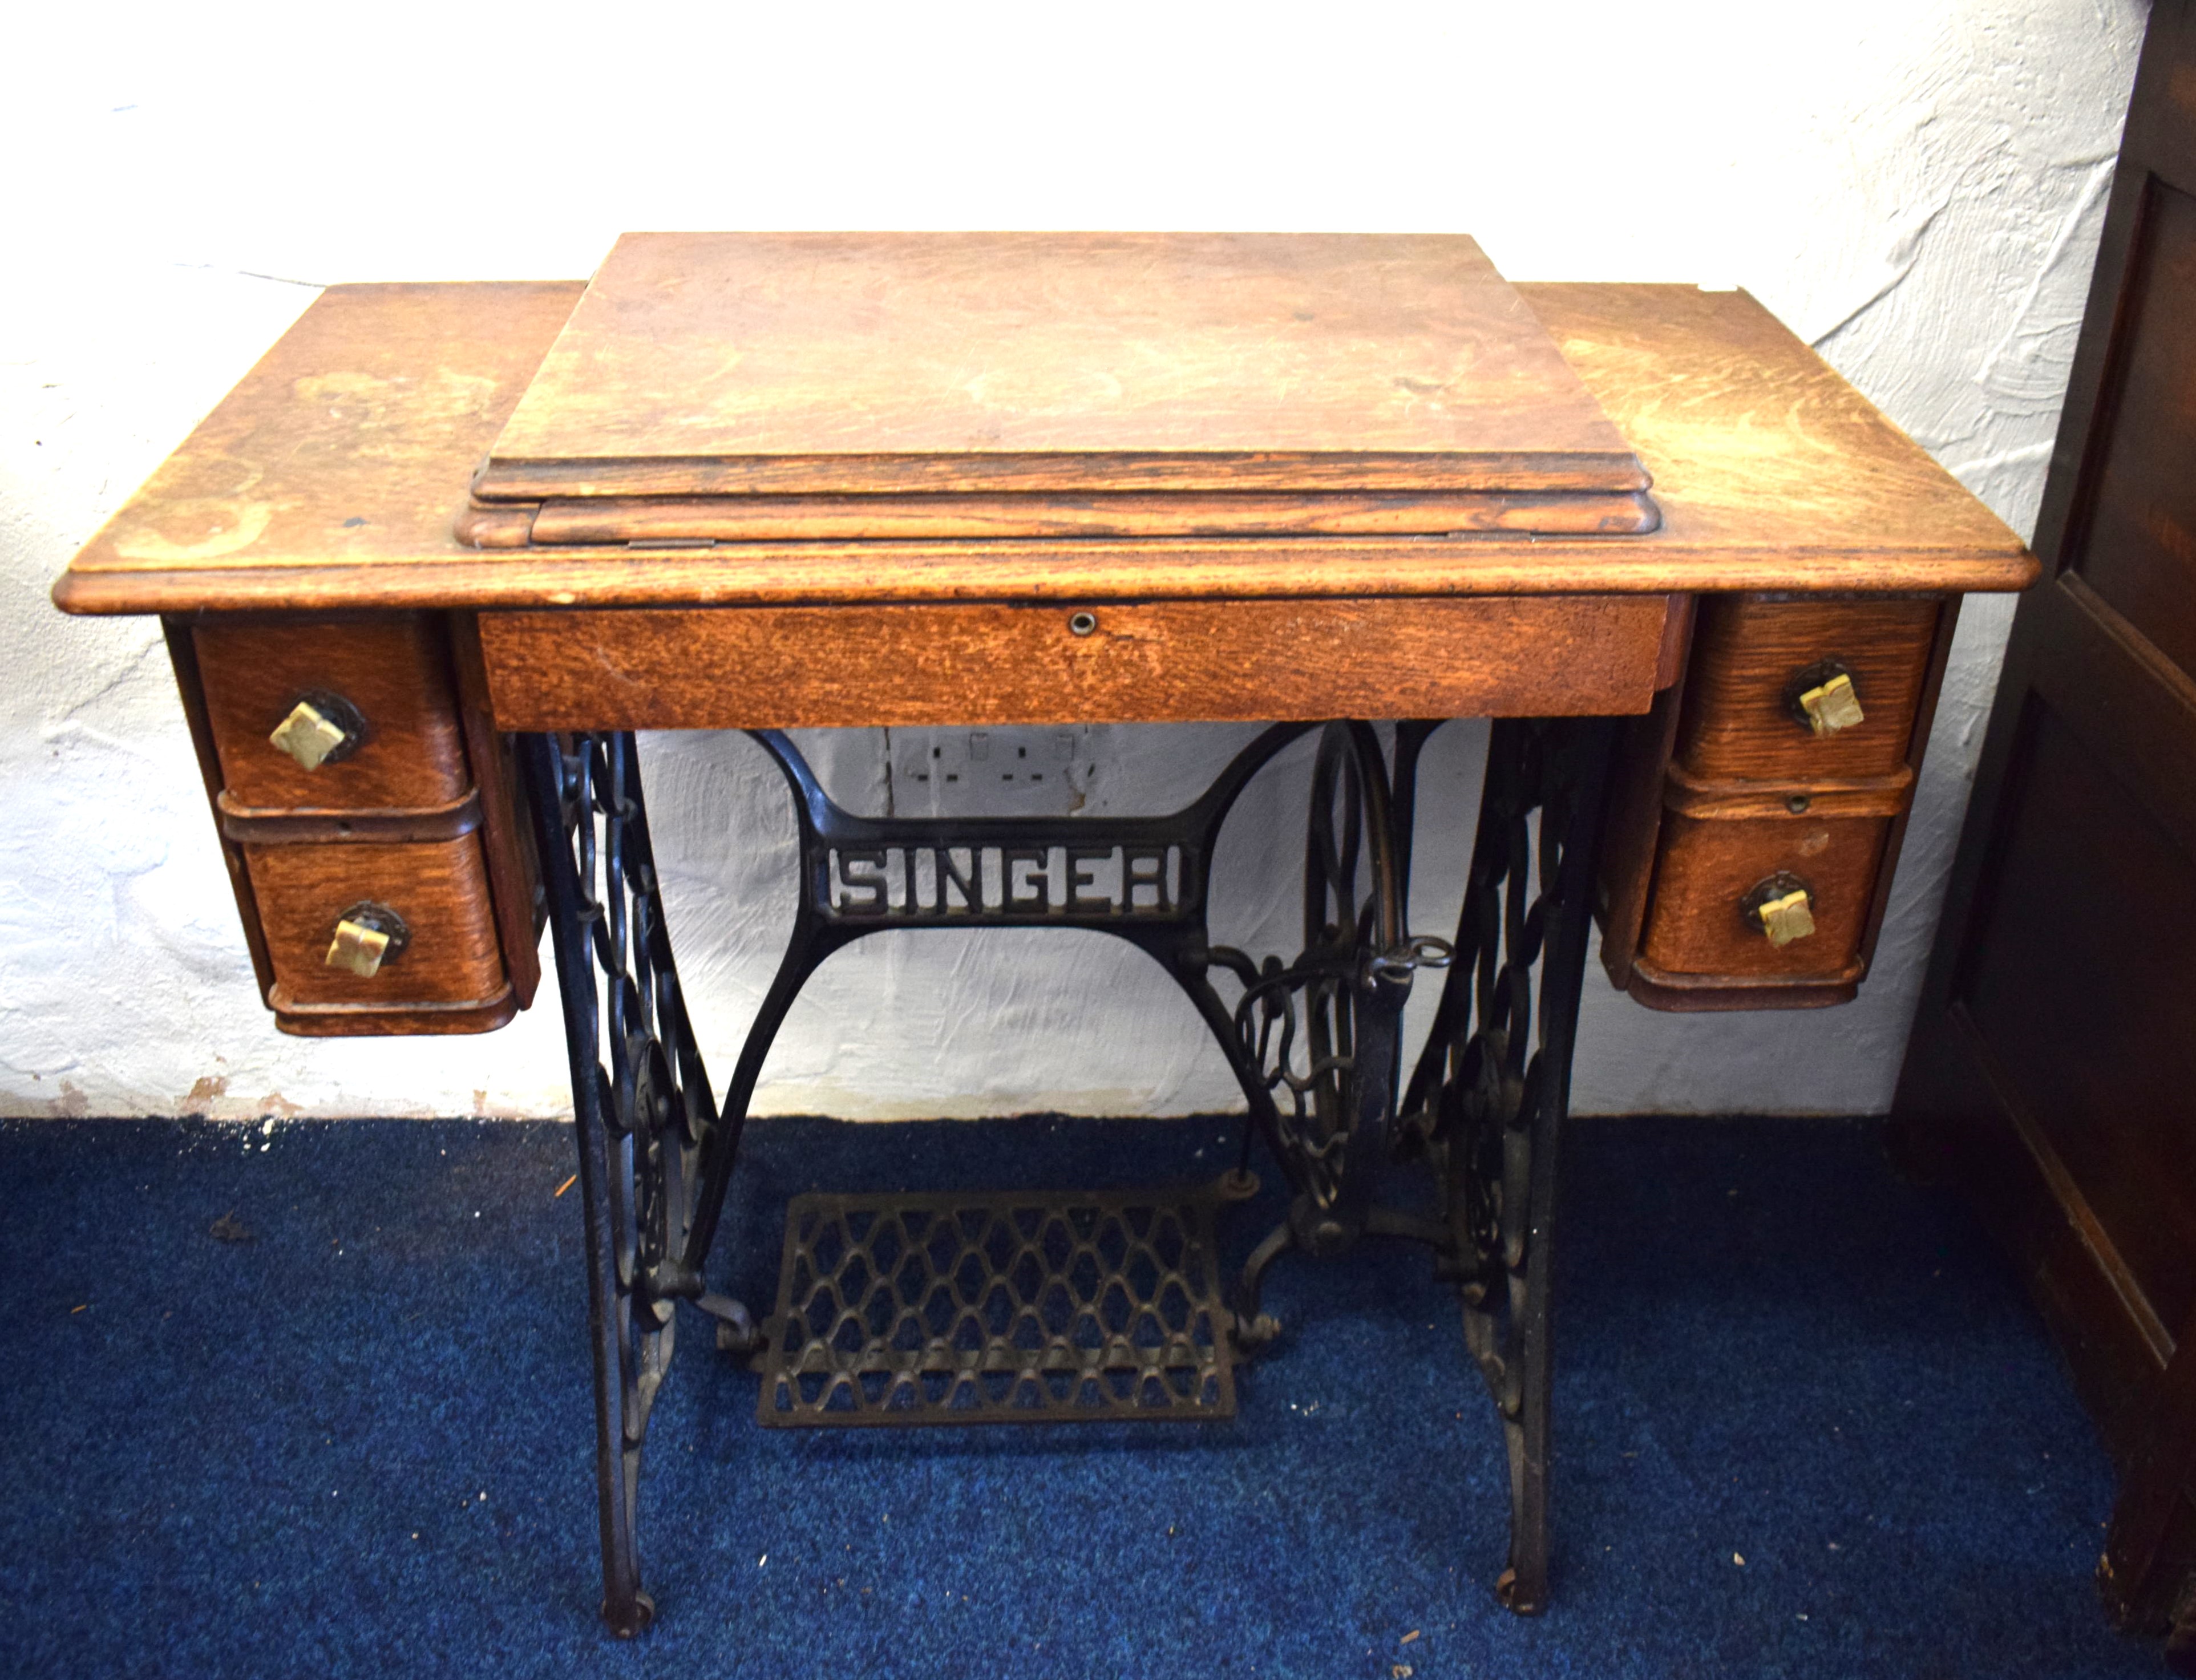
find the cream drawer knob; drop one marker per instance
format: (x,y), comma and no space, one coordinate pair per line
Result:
(1782,908)
(1824,698)
(320,728)
(1832,707)
(366,936)
(1786,919)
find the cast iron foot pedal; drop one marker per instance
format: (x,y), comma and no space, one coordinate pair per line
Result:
(998,1307)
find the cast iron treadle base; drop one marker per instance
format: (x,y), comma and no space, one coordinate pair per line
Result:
(998,1307)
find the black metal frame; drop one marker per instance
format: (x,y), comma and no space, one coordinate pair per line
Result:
(1486,1105)
(1314,1041)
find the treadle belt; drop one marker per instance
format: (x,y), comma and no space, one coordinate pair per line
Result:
(996,1307)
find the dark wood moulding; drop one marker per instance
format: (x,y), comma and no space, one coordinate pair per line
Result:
(698,519)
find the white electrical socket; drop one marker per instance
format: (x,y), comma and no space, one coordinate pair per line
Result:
(1033,771)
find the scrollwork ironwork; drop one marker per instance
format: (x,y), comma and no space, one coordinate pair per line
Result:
(1485,1102)
(641,1101)
(1314,1040)
(1316,1029)
(1320,1034)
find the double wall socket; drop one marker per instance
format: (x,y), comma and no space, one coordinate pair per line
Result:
(1037,770)
(1086,770)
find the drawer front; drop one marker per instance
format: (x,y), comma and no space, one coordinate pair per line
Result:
(438,890)
(1697,924)
(1752,655)
(393,674)
(1152,661)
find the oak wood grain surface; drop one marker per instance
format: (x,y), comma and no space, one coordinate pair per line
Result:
(439,888)
(761,667)
(1772,473)
(1746,652)
(327,826)
(1230,513)
(1632,827)
(514,875)
(1886,795)
(822,363)
(182,656)
(372,1020)
(1707,868)
(1692,994)
(395,670)
(1723,748)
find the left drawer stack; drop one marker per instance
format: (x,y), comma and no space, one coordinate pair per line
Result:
(369,820)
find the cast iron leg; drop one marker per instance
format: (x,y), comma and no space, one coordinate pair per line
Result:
(640,1104)
(1488,1099)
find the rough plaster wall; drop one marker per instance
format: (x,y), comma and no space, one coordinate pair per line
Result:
(1916,188)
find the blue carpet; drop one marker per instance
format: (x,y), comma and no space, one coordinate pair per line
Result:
(359,1442)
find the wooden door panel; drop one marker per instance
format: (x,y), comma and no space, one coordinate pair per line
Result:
(2130,703)
(2140,551)
(2086,883)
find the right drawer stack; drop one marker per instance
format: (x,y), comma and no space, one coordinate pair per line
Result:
(1789,774)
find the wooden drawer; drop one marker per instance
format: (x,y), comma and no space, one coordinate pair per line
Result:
(395,671)
(1748,650)
(1696,924)
(1722,788)
(425,817)
(451,964)
(1149,661)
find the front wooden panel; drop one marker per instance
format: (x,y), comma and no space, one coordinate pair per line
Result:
(1747,650)
(1707,868)
(441,889)
(784,667)
(394,669)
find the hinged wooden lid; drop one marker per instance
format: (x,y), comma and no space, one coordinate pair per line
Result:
(721,386)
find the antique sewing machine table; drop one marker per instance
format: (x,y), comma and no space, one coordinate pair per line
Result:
(441,553)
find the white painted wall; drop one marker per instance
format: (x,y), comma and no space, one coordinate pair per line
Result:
(1915,187)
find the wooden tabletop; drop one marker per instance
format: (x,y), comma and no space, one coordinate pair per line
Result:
(832,363)
(332,474)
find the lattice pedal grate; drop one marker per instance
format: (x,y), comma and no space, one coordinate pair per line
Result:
(994,1308)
